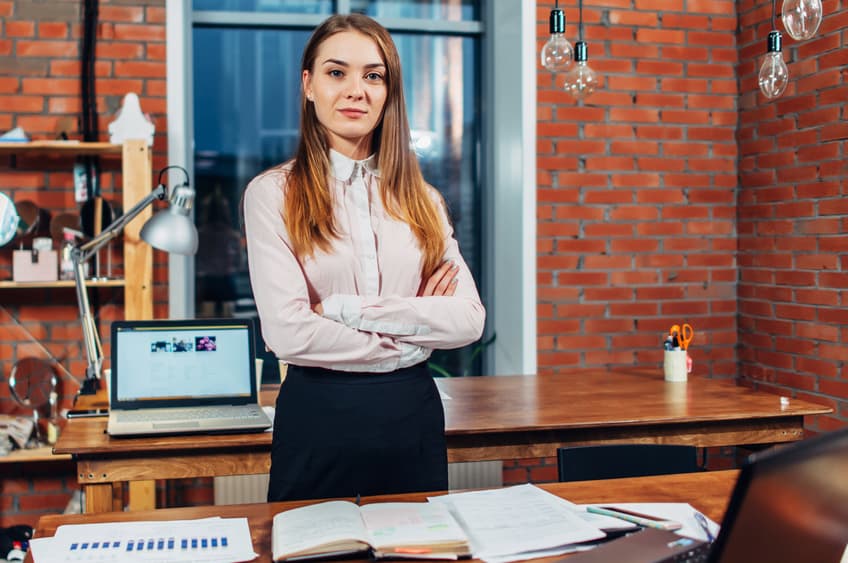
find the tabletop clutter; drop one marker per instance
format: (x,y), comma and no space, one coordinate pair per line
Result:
(677,363)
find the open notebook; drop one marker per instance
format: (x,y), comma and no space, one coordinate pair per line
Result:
(186,376)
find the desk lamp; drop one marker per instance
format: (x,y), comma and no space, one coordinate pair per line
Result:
(171,230)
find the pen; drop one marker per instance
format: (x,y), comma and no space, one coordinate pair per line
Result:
(702,522)
(636,519)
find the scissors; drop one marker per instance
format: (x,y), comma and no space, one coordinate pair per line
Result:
(684,336)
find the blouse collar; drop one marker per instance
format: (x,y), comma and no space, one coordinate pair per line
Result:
(344,167)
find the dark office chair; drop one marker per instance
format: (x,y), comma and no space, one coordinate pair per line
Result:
(583,463)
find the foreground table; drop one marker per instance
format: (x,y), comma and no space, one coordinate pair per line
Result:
(487,418)
(709,492)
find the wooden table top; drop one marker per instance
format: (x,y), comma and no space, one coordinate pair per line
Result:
(601,398)
(508,404)
(709,492)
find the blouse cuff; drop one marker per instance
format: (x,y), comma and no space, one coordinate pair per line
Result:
(344,309)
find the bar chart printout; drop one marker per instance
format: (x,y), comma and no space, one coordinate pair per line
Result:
(207,539)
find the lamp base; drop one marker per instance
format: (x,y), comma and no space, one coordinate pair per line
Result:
(89,387)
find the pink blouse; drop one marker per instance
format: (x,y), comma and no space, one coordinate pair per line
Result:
(367,283)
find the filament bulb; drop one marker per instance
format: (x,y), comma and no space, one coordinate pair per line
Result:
(557,54)
(774,76)
(802,18)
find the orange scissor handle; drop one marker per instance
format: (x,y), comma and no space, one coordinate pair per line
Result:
(686,335)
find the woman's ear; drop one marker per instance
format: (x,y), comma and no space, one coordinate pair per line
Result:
(306,83)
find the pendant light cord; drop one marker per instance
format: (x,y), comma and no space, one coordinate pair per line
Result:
(773,20)
(580,27)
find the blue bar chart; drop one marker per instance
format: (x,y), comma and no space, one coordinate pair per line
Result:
(208,539)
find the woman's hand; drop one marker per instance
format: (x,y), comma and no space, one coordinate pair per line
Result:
(442,282)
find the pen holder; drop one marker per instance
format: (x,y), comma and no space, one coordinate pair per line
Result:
(674,365)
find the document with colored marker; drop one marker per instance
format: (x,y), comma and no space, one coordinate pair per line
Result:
(409,530)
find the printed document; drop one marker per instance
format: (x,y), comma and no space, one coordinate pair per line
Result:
(207,539)
(509,524)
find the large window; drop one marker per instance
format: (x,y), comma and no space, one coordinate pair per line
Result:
(490,186)
(245,111)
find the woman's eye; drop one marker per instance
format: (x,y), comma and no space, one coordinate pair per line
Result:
(336,73)
(374,76)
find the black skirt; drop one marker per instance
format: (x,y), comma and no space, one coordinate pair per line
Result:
(342,434)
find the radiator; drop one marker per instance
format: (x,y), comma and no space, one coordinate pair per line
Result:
(240,489)
(475,475)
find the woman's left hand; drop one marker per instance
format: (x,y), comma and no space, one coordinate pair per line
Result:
(442,282)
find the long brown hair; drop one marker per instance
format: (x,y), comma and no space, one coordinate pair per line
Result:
(308,209)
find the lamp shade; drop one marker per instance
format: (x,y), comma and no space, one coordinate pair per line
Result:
(172,230)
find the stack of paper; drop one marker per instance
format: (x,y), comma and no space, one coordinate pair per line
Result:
(681,512)
(208,539)
(519,522)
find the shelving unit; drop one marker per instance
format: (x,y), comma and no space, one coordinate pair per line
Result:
(41,453)
(73,148)
(6,284)
(136,169)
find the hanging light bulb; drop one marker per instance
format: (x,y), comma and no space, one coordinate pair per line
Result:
(557,53)
(581,80)
(773,72)
(802,18)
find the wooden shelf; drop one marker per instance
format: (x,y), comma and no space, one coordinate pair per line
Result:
(59,148)
(6,284)
(41,453)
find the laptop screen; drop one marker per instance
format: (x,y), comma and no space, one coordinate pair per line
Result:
(193,362)
(791,505)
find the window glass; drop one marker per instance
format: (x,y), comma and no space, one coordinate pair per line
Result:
(278,6)
(246,102)
(446,10)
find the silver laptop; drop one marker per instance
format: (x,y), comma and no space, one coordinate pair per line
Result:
(789,505)
(180,377)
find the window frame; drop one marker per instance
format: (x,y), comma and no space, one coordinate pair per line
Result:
(509,180)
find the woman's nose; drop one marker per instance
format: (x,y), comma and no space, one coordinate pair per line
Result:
(354,87)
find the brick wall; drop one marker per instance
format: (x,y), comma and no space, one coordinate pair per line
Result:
(636,197)
(40,92)
(793,216)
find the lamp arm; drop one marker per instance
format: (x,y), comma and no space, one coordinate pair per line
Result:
(80,255)
(91,340)
(90,248)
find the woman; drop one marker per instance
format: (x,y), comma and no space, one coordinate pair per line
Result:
(357,277)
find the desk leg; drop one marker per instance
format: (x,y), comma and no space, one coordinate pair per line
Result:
(142,495)
(98,498)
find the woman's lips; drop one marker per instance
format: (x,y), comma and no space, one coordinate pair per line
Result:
(353,113)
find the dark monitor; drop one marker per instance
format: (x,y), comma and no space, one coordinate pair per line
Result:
(790,505)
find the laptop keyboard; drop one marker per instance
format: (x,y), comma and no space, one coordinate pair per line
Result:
(196,413)
(697,554)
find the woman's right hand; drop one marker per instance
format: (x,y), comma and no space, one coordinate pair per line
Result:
(442,282)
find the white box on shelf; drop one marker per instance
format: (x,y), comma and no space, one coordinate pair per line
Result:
(35,265)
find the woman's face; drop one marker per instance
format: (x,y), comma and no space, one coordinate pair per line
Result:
(347,84)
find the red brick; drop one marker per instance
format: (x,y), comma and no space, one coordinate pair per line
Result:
(44,502)
(20,29)
(58,49)
(129,14)
(52,30)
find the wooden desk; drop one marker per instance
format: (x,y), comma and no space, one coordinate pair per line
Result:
(709,492)
(487,418)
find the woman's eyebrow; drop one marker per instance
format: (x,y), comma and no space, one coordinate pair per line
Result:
(345,64)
